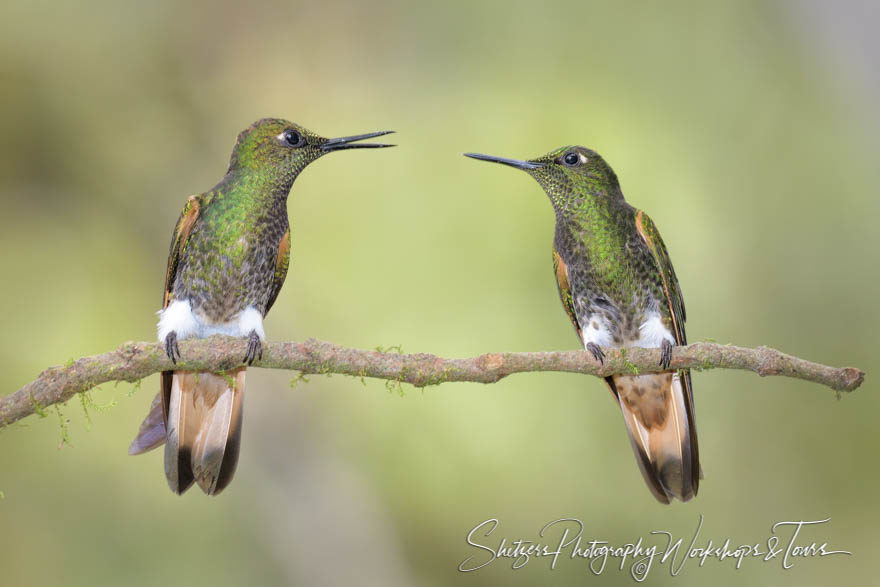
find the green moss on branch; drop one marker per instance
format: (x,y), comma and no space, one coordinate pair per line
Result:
(133,361)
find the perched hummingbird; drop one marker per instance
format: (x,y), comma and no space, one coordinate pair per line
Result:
(229,256)
(618,287)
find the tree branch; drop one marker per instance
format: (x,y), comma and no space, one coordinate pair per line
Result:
(135,360)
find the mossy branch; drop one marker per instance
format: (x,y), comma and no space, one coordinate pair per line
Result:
(135,360)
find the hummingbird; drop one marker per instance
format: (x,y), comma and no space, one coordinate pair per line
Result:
(619,289)
(230,251)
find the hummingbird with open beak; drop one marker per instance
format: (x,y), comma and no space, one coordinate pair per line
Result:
(230,252)
(619,289)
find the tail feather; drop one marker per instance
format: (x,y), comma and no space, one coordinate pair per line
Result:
(203,429)
(152,431)
(658,411)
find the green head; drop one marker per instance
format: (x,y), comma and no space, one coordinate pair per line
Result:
(282,149)
(569,175)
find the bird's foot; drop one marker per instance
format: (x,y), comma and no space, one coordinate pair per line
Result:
(254,348)
(171,348)
(596,352)
(665,354)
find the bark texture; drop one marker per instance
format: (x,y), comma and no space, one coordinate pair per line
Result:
(135,360)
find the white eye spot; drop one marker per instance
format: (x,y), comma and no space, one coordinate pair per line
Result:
(573,158)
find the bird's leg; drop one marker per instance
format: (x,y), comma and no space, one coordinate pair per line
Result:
(596,352)
(171,348)
(254,349)
(665,353)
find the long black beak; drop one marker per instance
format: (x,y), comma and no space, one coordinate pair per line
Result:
(347,142)
(518,163)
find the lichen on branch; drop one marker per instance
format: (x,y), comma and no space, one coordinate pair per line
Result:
(135,360)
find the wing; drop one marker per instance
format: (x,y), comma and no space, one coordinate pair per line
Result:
(561,271)
(182,231)
(152,430)
(651,237)
(282,262)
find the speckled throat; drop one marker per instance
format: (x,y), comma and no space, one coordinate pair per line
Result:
(611,272)
(229,261)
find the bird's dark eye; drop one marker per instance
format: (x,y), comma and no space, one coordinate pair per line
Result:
(571,159)
(292,138)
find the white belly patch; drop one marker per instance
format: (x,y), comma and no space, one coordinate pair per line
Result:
(596,330)
(652,332)
(180,318)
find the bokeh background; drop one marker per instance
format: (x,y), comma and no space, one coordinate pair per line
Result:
(748,130)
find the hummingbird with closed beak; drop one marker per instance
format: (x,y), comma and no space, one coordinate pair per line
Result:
(619,289)
(230,252)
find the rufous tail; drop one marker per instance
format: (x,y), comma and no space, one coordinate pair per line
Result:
(198,416)
(659,415)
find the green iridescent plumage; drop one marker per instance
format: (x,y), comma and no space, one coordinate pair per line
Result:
(230,251)
(228,259)
(618,287)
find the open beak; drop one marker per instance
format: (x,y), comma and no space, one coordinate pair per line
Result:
(348,142)
(519,164)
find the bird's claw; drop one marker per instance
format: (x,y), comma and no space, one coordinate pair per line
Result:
(596,352)
(665,354)
(171,348)
(254,348)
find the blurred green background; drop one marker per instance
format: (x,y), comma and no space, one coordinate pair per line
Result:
(748,131)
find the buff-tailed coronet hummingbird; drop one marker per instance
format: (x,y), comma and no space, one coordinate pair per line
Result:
(230,251)
(617,285)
